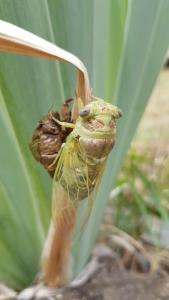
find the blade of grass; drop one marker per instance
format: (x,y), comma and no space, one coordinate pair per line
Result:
(153,193)
(116,18)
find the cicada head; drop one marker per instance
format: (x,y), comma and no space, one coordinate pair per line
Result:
(96,127)
(99,117)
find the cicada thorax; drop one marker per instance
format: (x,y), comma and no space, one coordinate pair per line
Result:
(97,148)
(49,136)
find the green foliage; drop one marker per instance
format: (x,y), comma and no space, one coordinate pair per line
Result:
(141,198)
(29,87)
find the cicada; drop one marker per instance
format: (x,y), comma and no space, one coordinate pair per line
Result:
(81,159)
(75,154)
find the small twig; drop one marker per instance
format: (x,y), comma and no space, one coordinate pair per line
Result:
(92,267)
(100,251)
(134,243)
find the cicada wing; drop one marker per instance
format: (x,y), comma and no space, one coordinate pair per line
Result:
(73,184)
(63,213)
(88,205)
(63,208)
(88,183)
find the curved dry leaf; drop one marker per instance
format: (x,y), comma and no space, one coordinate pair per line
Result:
(18,40)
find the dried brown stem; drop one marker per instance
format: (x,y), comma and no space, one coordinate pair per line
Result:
(56,257)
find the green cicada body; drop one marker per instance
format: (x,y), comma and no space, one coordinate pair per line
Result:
(82,158)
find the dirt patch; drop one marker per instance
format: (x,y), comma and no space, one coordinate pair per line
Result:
(112,282)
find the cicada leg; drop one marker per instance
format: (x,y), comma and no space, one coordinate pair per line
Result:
(65,112)
(57,156)
(64,124)
(67,101)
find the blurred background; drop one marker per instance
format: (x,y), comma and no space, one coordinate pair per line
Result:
(140,202)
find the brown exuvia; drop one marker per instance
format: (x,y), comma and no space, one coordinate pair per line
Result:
(49,136)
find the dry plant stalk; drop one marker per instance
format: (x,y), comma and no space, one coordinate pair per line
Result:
(56,263)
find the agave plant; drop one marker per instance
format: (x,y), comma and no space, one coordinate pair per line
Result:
(123,44)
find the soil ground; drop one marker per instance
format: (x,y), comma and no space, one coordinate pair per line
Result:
(114,283)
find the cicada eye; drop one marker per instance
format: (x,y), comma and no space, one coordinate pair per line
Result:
(119,113)
(84,112)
